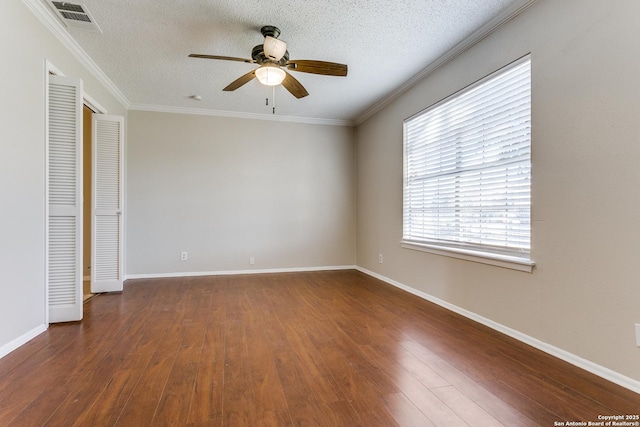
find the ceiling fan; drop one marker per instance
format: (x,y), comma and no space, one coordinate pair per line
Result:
(271,56)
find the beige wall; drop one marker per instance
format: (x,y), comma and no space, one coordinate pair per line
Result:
(584,294)
(227,189)
(24,45)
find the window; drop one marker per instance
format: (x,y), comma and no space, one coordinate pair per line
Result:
(467,172)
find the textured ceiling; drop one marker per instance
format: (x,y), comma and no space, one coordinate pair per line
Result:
(144,46)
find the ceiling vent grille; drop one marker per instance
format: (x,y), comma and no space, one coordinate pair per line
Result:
(75,15)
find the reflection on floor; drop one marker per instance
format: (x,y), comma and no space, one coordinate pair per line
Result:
(86,290)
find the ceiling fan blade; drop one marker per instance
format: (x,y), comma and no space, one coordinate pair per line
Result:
(225,58)
(240,81)
(317,67)
(292,85)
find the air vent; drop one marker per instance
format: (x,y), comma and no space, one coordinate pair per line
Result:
(75,15)
(61,5)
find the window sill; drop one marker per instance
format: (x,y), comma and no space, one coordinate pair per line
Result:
(505,261)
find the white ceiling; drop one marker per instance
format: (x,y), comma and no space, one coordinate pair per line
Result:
(144,46)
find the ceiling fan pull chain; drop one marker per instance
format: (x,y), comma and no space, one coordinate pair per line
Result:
(274,99)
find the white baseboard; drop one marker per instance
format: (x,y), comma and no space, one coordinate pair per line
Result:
(238,272)
(578,361)
(21,340)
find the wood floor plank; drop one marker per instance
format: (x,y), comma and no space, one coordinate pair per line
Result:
(271,405)
(363,395)
(341,413)
(428,403)
(238,404)
(330,348)
(526,404)
(405,412)
(143,402)
(85,392)
(340,349)
(206,402)
(394,357)
(20,397)
(109,404)
(216,422)
(308,360)
(175,401)
(424,399)
(464,407)
(493,404)
(304,407)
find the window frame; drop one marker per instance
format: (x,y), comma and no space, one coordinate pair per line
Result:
(477,252)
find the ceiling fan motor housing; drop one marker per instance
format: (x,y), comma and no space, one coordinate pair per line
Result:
(257,53)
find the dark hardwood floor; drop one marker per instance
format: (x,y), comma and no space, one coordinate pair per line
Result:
(321,348)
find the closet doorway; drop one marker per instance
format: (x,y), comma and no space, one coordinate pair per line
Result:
(66,210)
(86,203)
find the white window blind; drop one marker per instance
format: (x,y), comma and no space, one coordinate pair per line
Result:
(468,168)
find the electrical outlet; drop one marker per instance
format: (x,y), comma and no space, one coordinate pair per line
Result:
(184,256)
(252,260)
(638,334)
(380,259)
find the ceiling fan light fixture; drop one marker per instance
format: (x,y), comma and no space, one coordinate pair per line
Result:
(270,74)
(274,49)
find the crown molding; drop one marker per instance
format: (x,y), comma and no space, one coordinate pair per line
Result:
(42,12)
(507,15)
(238,115)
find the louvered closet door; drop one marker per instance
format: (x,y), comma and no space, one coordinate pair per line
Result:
(64,195)
(106,265)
